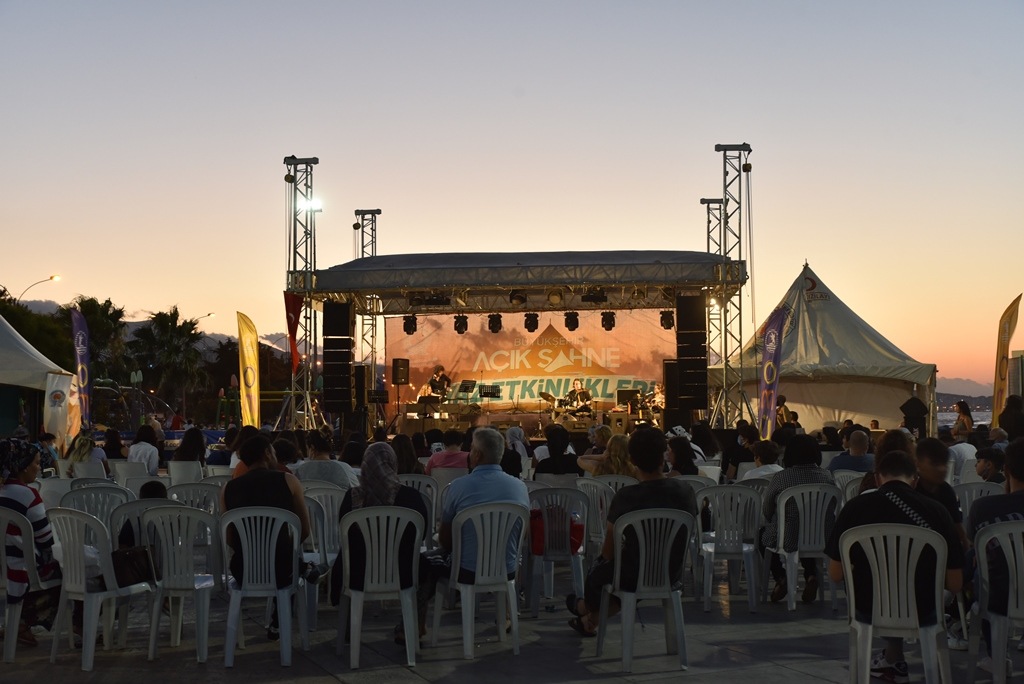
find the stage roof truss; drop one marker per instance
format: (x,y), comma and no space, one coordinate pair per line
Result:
(520,283)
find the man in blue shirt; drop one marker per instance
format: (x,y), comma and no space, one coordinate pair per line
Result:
(857,458)
(486,483)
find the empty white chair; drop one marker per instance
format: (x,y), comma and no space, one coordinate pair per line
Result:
(99,501)
(383,529)
(175,529)
(969,471)
(567,481)
(64,468)
(78,482)
(135,483)
(892,553)
(130,514)
(710,471)
(617,482)
(494,525)
(219,480)
(316,555)
(257,529)
(735,511)
(309,484)
(202,495)
(427,487)
(217,470)
(842,477)
(1009,536)
(969,492)
(560,508)
(535,484)
(124,469)
(184,472)
(698,482)
(656,531)
(816,506)
(758,484)
(27,544)
(599,499)
(52,489)
(851,490)
(444,476)
(88,469)
(74,530)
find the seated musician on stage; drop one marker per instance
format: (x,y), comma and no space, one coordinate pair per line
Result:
(578,399)
(452,457)
(439,382)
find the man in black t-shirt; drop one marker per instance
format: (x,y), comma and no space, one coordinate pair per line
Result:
(989,510)
(990,465)
(932,469)
(647,452)
(896,501)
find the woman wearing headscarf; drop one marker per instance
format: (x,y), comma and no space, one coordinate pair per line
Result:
(19,466)
(379,486)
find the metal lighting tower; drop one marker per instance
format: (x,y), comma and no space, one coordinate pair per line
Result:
(366,246)
(302,211)
(725,238)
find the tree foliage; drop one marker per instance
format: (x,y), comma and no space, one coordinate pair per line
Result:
(166,349)
(106,335)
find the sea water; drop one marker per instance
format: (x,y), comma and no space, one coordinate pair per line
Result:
(947,418)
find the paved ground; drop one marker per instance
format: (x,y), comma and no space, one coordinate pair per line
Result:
(725,645)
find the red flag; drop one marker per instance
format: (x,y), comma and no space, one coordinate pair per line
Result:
(293,309)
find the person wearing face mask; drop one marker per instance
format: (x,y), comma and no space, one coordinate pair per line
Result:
(48,455)
(741,452)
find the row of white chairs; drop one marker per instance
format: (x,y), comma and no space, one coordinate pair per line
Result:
(179,472)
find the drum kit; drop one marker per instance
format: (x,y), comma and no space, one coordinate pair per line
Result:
(565,410)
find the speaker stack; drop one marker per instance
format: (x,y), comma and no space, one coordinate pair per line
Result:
(339,370)
(686,376)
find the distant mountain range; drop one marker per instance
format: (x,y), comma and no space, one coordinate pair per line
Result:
(962,386)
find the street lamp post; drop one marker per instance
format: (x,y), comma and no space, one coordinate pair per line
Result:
(44,280)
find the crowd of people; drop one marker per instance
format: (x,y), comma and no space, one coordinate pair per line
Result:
(904,481)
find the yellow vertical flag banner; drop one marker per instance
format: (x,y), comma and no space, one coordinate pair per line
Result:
(1000,388)
(249,370)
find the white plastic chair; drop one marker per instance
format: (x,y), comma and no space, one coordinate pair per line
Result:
(124,469)
(89,469)
(893,552)
(557,506)
(257,529)
(851,490)
(494,525)
(816,505)
(74,530)
(714,473)
(218,470)
(316,555)
(184,472)
(969,492)
(1010,538)
(202,495)
(219,480)
(52,489)
(969,471)
(135,483)
(698,482)
(99,501)
(617,482)
(130,513)
(79,482)
(599,499)
(64,468)
(25,540)
(310,483)
(843,477)
(736,514)
(383,529)
(445,476)
(174,531)
(534,484)
(758,484)
(567,481)
(656,530)
(744,468)
(431,493)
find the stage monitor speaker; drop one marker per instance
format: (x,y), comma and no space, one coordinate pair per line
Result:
(399,371)
(339,320)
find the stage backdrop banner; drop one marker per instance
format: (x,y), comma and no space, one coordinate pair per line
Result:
(249,369)
(524,364)
(1007,324)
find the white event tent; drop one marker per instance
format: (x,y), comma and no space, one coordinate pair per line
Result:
(834,365)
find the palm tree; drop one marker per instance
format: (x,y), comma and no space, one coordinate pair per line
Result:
(166,346)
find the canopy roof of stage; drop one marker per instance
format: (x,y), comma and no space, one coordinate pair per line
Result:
(517,281)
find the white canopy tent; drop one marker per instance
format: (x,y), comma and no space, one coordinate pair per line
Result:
(22,365)
(834,365)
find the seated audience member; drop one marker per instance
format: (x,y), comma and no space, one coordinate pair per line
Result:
(832,439)
(515,439)
(112,445)
(379,486)
(873,425)
(420,446)
(452,456)
(287,454)
(646,451)
(766,457)
(192,447)
(320,466)
(958,453)
(896,501)
(802,459)
(351,453)
(741,452)
(241,437)
(680,458)
(1011,418)
(932,470)
(614,460)
(485,483)
(84,449)
(1000,440)
(599,436)
(222,457)
(560,459)
(405,452)
(990,465)
(153,489)
(795,421)
(856,457)
(702,437)
(989,510)
(544,451)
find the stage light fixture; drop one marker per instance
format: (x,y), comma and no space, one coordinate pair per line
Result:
(639,293)
(409,324)
(608,320)
(594,295)
(494,322)
(668,320)
(572,320)
(531,322)
(554,297)
(517,297)
(461,324)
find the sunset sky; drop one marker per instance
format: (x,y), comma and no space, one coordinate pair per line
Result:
(143,145)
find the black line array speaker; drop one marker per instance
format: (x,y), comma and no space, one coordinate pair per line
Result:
(338,372)
(399,371)
(691,365)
